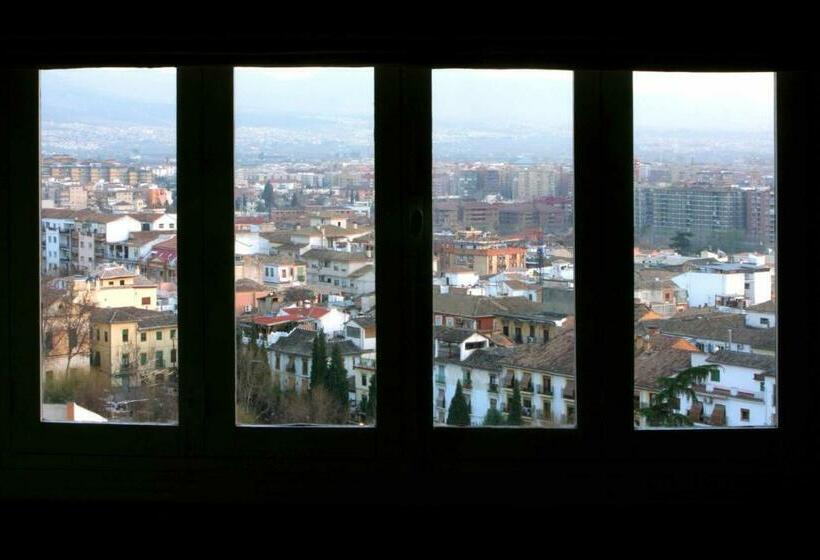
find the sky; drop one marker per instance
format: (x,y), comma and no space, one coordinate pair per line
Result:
(493,99)
(735,102)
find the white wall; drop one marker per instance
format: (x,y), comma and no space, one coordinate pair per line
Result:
(760,287)
(702,287)
(118,230)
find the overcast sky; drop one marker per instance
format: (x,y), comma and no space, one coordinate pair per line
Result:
(493,98)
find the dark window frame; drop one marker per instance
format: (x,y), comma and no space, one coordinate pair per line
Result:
(403,160)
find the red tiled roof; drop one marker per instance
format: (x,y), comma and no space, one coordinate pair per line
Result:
(306,313)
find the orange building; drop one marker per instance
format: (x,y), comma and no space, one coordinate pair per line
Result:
(483,261)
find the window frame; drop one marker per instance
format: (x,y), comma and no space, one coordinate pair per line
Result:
(602,105)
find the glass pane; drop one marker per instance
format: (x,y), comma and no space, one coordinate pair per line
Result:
(108,242)
(503,246)
(705,250)
(304,246)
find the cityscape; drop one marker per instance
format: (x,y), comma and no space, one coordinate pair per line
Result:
(503,350)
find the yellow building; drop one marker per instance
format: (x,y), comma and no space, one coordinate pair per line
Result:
(116,286)
(135,346)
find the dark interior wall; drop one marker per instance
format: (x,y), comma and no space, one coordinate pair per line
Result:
(766,467)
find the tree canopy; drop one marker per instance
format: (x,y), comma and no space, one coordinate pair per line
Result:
(459,412)
(514,414)
(662,411)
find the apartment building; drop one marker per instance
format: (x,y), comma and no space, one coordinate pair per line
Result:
(482,261)
(290,357)
(545,375)
(516,318)
(711,213)
(342,272)
(729,285)
(135,346)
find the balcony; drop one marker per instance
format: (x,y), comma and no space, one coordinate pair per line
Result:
(467,384)
(368,363)
(493,388)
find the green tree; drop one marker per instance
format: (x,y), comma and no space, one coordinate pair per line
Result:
(682,242)
(514,414)
(318,364)
(337,376)
(370,409)
(267,196)
(493,417)
(662,411)
(458,413)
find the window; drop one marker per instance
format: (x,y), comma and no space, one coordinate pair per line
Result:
(91,157)
(173,356)
(173,334)
(704,167)
(744,414)
(503,189)
(143,336)
(316,161)
(601,392)
(143,358)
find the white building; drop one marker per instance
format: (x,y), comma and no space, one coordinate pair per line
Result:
(290,357)
(545,374)
(741,393)
(730,285)
(328,319)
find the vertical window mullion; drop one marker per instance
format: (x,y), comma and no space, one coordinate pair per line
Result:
(191,173)
(403,129)
(24,173)
(210,205)
(603,194)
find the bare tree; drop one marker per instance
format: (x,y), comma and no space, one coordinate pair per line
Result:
(298,293)
(65,320)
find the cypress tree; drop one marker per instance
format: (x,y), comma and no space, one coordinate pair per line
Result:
(370,410)
(318,365)
(514,415)
(337,376)
(267,196)
(458,413)
(493,418)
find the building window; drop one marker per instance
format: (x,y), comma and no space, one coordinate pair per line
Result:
(146,301)
(159,335)
(125,335)
(744,414)
(143,336)
(715,376)
(143,358)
